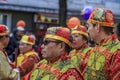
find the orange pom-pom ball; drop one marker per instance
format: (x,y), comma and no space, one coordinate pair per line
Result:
(21,23)
(72,22)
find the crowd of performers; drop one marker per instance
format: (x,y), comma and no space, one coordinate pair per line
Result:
(66,52)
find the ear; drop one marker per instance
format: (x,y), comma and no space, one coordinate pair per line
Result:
(61,46)
(98,27)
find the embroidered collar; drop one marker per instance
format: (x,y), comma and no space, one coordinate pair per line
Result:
(107,40)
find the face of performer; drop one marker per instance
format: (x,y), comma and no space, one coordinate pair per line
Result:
(5,40)
(78,41)
(24,47)
(92,31)
(50,49)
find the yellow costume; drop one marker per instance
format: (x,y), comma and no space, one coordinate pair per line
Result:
(6,71)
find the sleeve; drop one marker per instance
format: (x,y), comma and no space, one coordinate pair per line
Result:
(28,64)
(6,71)
(112,69)
(71,74)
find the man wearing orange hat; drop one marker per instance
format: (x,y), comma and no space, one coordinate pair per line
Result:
(100,29)
(27,57)
(6,71)
(79,44)
(56,64)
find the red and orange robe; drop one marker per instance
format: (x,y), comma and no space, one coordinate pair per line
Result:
(78,55)
(61,69)
(26,62)
(94,63)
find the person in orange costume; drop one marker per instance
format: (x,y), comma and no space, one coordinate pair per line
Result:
(56,64)
(27,58)
(79,44)
(100,28)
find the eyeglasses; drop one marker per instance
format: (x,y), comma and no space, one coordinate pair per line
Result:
(7,36)
(46,42)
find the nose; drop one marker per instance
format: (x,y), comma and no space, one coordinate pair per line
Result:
(42,46)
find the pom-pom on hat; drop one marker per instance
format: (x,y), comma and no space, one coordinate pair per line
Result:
(80,29)
(104,17)
(72,22)
(59,33)
(28,39)
(21,23)
(3,30)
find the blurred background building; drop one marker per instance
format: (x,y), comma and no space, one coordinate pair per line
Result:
(40,14)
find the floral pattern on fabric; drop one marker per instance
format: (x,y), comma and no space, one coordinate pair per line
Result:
(45,71)
(96,61)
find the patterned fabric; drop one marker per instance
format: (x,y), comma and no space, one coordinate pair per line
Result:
(25,62)
(28,40)
(59,33)
(96,60)
(56,71)
(112,66)
(6,71)
(3,30)
(80,29)
(78,55)
(102,16)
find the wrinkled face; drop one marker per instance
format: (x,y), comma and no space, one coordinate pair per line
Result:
(24,47)
(78,41)
(50,49)
(92,31)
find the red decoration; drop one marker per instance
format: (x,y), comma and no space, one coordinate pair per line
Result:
(63,32)
(81,28)
(21,23)
(72,22)
(3,29)
(30,39)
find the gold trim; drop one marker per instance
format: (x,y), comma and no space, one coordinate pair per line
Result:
(6,33)
(58,38)
(83,33)
(102,23)
(26,42)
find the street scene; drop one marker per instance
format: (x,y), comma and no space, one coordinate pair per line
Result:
(59,39)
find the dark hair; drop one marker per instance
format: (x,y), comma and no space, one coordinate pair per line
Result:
(107,30)
(67,47)
(85,38)
(118,30)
